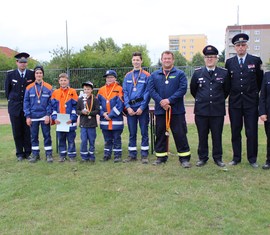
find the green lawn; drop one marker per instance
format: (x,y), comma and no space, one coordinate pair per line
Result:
(108,198)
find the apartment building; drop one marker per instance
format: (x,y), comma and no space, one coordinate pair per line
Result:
(188,45)
(259,43)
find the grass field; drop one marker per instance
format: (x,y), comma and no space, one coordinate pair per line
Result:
(108,198)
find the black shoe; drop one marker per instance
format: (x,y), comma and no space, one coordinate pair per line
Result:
(185,164)
(266,166)
(105,159)
(92,160)
(49,158)
(254,164)
(84,160)
(130,159)
(220,163)
(233,163)
(160,160)
(117,159)
(34,159)
(201,163)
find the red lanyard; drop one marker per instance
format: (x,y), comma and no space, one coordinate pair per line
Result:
(39,93)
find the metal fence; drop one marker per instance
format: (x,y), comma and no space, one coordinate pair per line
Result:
(78,76)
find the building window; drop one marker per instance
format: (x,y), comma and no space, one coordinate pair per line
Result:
(191,40)
(183,47)
(174,41)
(257,40)
(256,48)
(183,40)
(191,47)
(191,53)
(183,53)
(257,32)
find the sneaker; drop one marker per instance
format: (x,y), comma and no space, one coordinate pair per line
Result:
(144,160)
(72,159)
(34,158)
(117,159)
(186,164)
(92,160)
(62,159)
(130,159)
(49,158)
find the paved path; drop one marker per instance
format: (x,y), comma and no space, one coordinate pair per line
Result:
(4,117)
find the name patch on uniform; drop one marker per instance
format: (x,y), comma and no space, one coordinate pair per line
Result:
(251,66)
(172,76)
(14,80)
(218,79)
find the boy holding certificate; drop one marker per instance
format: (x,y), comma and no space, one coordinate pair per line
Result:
(64,102)
(88,108)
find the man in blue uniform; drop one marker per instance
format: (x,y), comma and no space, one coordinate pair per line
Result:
(16,82)
(246,78)
(210,86)
(136,100)
(264,112)
(167,86)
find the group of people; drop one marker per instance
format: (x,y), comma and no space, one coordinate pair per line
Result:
(33,103)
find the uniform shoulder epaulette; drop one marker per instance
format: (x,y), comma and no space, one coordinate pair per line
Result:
(223,68)
(11,70)
(197,68)
(31,70)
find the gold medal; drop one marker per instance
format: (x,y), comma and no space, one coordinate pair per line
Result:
(89,117)
(166,82)
(134,89)
(38,101)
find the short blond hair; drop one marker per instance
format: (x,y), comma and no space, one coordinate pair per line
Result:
(63,75)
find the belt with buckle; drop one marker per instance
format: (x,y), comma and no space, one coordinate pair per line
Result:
(131,102)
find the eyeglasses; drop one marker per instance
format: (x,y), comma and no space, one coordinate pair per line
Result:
(210,57)
(241,44)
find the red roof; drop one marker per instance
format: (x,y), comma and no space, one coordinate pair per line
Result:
(7,51)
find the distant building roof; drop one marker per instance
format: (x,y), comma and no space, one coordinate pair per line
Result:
(7,51)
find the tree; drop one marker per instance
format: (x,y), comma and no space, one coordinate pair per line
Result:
(222,56)
(179,59)
(197,60)
(61,58)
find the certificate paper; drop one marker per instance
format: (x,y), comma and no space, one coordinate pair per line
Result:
(63,126)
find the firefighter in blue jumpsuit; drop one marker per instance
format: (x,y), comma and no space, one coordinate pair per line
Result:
(210,86)
(136,100)
(37,110)
(16,82)
(167,86)
(246,78)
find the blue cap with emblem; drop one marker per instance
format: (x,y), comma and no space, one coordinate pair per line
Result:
(110,72)
(238,38)
(210,50)
(22,57)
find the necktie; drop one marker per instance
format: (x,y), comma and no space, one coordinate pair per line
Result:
(22,76)
(211,73)
(241,62)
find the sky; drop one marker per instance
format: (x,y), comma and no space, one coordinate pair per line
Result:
(39,27)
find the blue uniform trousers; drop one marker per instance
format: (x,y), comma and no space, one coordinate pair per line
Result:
(88,134)
(179,132)
(66,143)
(46,131)
(113,143)
(143,121)
(205,124)
(250,118)
(21,134)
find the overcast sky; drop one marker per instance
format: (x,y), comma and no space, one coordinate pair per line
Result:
(38,27)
